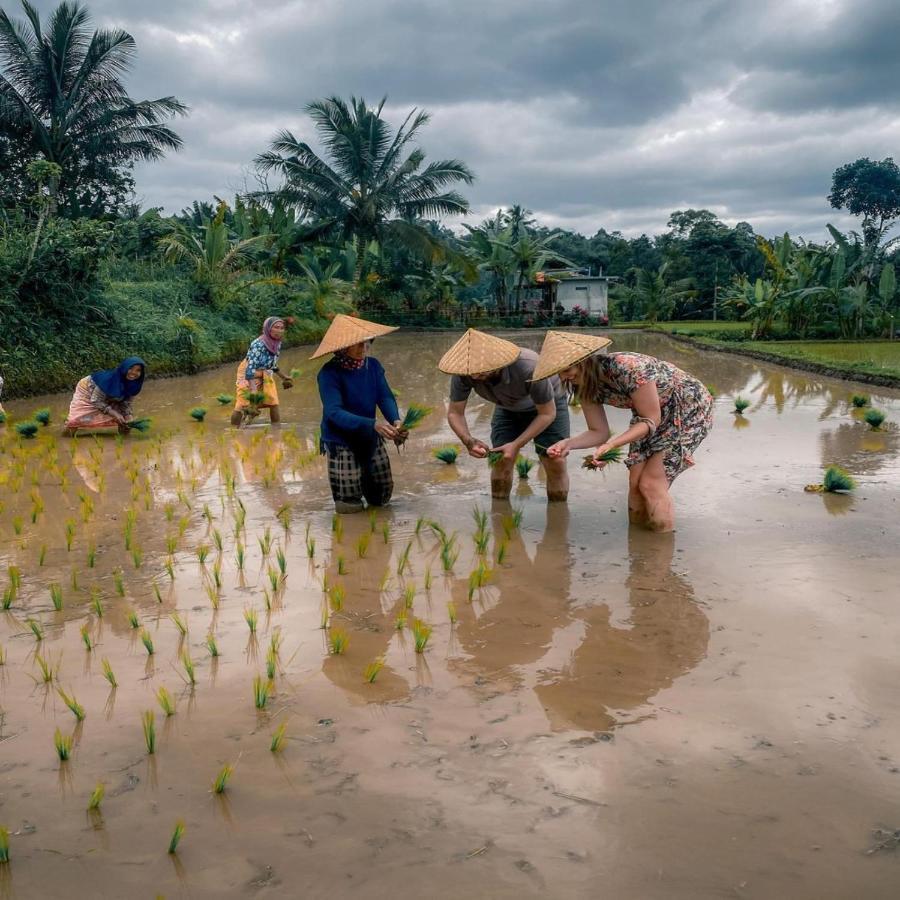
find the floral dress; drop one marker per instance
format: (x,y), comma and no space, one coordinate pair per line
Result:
(259,364)
(686,408)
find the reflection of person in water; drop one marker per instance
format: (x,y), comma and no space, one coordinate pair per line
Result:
(617,668)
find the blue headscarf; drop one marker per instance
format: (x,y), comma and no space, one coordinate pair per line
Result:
(113,382)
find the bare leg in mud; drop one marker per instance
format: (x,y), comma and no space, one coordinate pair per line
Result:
(557,479)
(502,479)
(648,485)
(274,415)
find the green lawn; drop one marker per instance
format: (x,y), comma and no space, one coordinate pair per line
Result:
(699,328)
(877,357)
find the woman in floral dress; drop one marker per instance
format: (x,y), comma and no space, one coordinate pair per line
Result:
(672,414)
(257,371)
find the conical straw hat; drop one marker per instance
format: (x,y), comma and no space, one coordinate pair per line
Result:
(562,349)
(345,331)
(476,352)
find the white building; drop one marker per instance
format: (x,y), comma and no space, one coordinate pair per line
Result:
(591,293)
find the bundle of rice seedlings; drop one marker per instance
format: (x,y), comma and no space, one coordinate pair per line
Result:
(42,416)
(15,577)
(421,633)
(56,597)
(198,413)
(874,418)
(837,479)
(337,527)
(271,664)
(447,455)
(9,595)
(283,515)
(261,690)
(338,640)
(449,555)
(177,834)
(26,430)
(169,566)
(91,555)
(341,565)
(217,573)
(277,742)
(225,399)
(86,637)
(63,744)
(2,655)
(524,465)
(217,539)
(493,457)
(147,641)
(166,701)
(281,559)
(609,456)
(142,425)
(212,646)
(860,400)
(482,539)
(373,668)
(250,617)
(148,724)
(255,399)
(108,673)
(96,797)
(188,664)
(75,707)
(137,557)
(740,404)
(221,781)
(414,416)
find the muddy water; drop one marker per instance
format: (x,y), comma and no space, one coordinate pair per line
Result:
(712,714)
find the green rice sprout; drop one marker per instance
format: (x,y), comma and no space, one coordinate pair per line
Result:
(148,724)
(56,597)
(198,413)
(447,455)
(91,556)
(283,514)
(338,640)
(255,399)
(277,742)
(421,633)
(250,617)
(217,539)
(493,457)
(179,623)
(141,425)
(147,641)
(36,629)
(8,596)
(449,555)
(341,565)
(156,591)
(170,568)
(261,690)
(96,797)
(310,547)
(202,553)
(75,707)
(119,581)
(362,545)
(373,668)
(42,554)
(480,517)
(837,479)
(225,399)
(373,519)
(451,612)
(337,527)
(524,465)
(613,455)
(26,430)
(481,539)
(133,619)
(336,597)
(213,593)
(414,416)
(188,664)
(4,845)
(265,542)
(2,655)
(874,418)
(221,781)
(183,523)
(860,400)
(137,557)
(18,524)
(212,646)
(281,559)
(171,544)
(86,637)
(108,673)
(166,701)
(409,596)
(74,579)
(274,579)
(46,668)
(177,835)
(271,664)
(63,744)
(15,577)
(217,573)
(240,555)
(403,562)
(42,416)
(71,528)
(386,531)
(400,622)
(740,404)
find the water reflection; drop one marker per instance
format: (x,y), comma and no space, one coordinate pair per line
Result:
(857,448)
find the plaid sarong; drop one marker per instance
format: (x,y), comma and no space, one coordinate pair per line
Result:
(350,481)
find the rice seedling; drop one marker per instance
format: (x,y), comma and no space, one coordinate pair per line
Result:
(180,624)
(336,597)
(415,414)
(48,673)
(2,655)
(42,554)
(4,834)
(362,545)
(148,724)
(261,690)
(449,555)
(17,524)
(108,673)
(8,596)
(217,573)
(119,582)
(188,664)
(75,707)
(337,527)
(451,612)
(96,797)
(169,511)
(141,425)
(480,517)
(166,701)
(409,596)
(860,400)
(74,579)
(217,539)
(281,559)
(400,622)
(524,465)
(517,516)
(386,531)
(277,742)
(481,539)
(42,416)
(177,835)
(183,524)
(26,430)
(63,744)
(597,462)
(403,562)
(70,534)
(240,556)
(385,580)
(221,781)
(446,455)
(740,404)
(310,547)
(15,577)
(212,592)
(56,597)
(874,418)
(373,519)
(338,640)
(36,629)
(225,399)
(137,557)
(501,552)
(202,553)
(86,638)
(837,479)
(147,641)
(427,578)
(169,566)
(250,617)
(373,668)
(271,664)
(198,413)
(132,618)
(265,543)
(421,634)
(341,565)
(493,457)
(212,646)
(91,556)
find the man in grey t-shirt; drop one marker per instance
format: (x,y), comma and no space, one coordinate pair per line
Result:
(524,410)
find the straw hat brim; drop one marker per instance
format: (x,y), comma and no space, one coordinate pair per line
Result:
(345,331)
(562,349)
(477,352)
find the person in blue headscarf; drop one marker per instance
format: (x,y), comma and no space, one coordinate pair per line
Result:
(103,400)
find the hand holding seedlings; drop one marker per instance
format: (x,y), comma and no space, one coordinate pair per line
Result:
(601,457)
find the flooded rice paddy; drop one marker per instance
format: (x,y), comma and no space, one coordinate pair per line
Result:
(611,714)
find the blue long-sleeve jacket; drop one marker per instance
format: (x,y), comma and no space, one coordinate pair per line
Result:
(350,399)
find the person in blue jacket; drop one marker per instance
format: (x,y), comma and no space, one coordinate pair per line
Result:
(353,388)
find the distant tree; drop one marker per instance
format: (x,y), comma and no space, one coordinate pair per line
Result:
(870,189)
(683,221)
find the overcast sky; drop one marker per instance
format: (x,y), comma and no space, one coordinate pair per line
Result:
(591,113)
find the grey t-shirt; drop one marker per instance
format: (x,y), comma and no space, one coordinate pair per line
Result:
(512,390)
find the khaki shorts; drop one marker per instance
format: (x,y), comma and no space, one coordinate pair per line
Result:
(507,425)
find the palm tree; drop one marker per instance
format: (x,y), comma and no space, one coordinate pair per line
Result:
(62,98)
(652,294)
(530,254)
(489,244)
(373,185)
